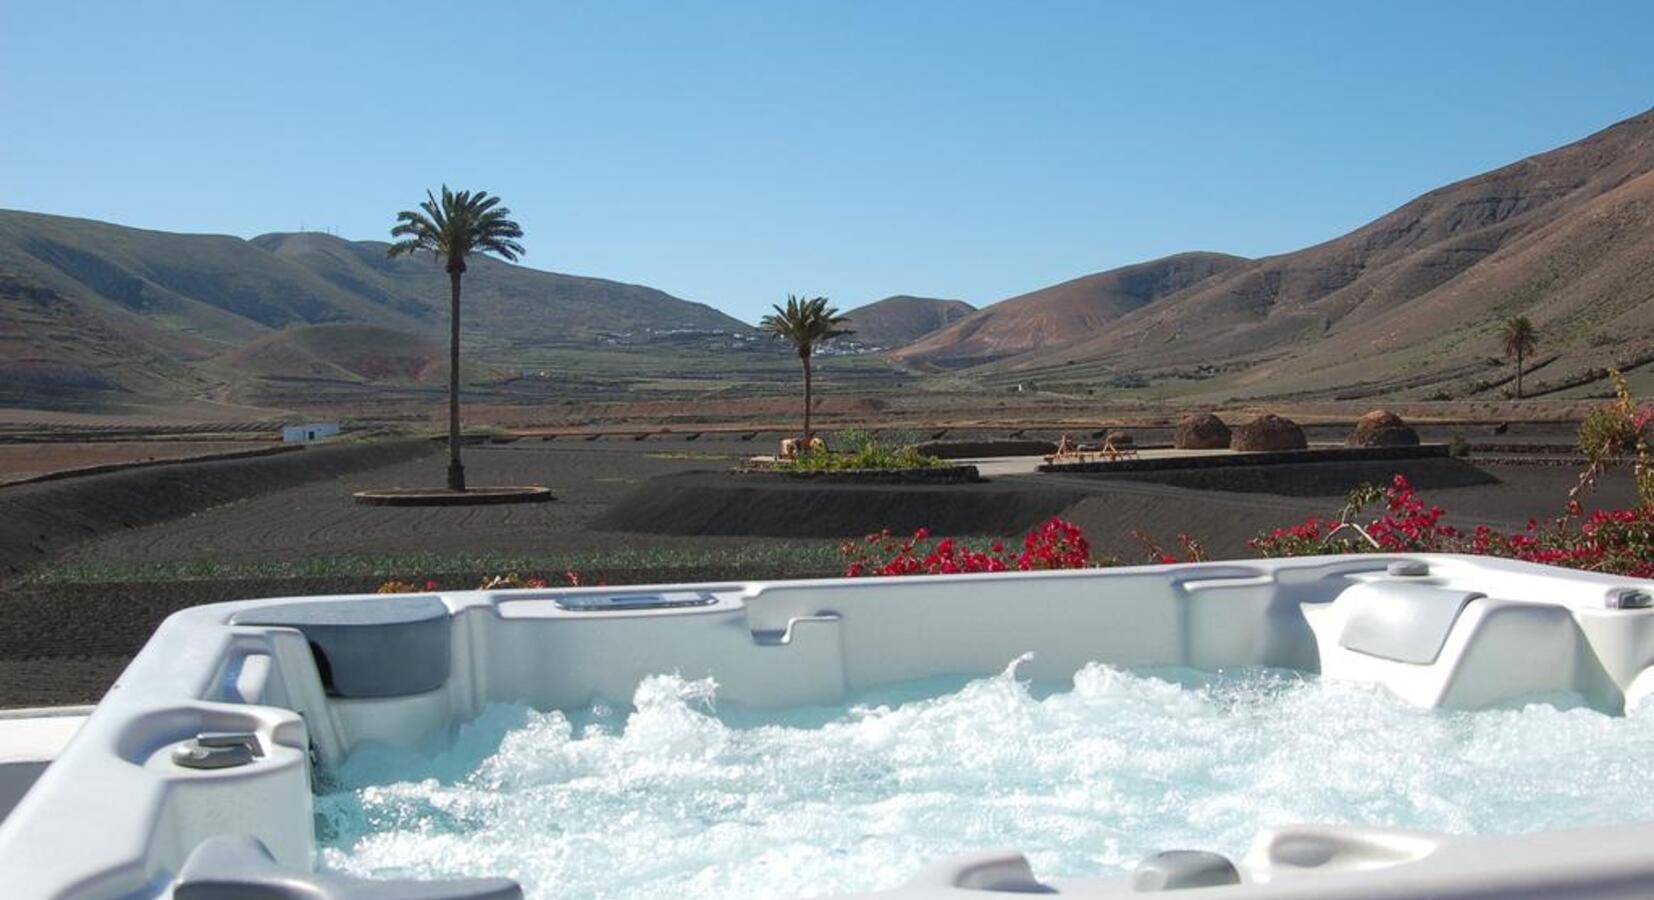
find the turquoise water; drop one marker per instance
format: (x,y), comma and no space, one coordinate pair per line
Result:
(679,797)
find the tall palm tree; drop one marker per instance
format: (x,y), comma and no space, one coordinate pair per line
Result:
(453,228)
(1519,339)
(805,324)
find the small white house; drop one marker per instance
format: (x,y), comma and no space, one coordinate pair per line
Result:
(301,434)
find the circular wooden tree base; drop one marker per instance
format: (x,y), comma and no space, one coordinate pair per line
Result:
(480,496)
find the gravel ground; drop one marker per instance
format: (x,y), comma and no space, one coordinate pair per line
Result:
(65,642)
(40,521)
(321,519)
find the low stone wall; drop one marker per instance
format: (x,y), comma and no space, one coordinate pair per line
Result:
(986,449)
(1312,478)
(1261,458)
(927,475)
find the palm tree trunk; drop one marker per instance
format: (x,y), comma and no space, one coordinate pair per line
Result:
(806,360)
(456,470)
(1518,373)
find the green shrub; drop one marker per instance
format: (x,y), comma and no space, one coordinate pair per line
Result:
(1620,431)
(861,450)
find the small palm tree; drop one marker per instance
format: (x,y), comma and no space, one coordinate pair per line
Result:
(452,229)
(1519,339)
(805,324)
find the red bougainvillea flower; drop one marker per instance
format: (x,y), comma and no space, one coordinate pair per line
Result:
(1056,544)
(1619,541)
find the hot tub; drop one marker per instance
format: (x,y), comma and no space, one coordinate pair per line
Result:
(890,736)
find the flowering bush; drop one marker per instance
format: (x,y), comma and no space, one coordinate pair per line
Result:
(1057,544)
(404,587)
(862,451)
(1406,525)
(1190,550)
(1619,541)
(508,581)
(1616,431)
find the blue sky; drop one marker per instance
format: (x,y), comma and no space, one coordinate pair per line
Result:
(731,153)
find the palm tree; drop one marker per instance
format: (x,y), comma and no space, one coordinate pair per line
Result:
(1519,339)
(453,228)
(806,324)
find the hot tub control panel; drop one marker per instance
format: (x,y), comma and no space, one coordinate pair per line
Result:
(634,600)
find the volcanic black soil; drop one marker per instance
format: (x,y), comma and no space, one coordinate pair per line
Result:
(63,641)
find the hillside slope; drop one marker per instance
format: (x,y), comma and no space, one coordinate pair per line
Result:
(1062,313)
(1412,301)
(88,306)
(505,305)
(348,352)
(900,320)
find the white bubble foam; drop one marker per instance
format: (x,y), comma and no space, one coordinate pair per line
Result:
(678,798)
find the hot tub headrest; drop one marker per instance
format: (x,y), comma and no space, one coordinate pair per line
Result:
(1401,620)
(383,647)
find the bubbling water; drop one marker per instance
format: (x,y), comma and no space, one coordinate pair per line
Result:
(674,797)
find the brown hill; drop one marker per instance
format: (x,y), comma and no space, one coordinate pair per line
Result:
(1411,303)
(1071,311)
(343,352)
(900,320)
(507,306)
(54,352)
(1407,306)
(91,311)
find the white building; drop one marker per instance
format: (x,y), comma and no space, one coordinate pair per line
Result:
(302,434)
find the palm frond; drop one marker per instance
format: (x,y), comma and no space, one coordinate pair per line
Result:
(1518,336)
(805,324)
(454,225)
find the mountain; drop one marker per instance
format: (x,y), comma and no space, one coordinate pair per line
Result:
(1066,312)
(1407,306)
(344,352)
(88,305)
(900,320)
(1411,303)
(506,306)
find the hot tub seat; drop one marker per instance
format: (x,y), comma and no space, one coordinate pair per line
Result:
(392,648)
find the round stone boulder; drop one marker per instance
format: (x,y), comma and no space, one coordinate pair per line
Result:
(1382,428)
(1269,432)
(1201,431)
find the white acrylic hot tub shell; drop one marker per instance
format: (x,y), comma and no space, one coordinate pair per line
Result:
(29,740)
(114,817)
